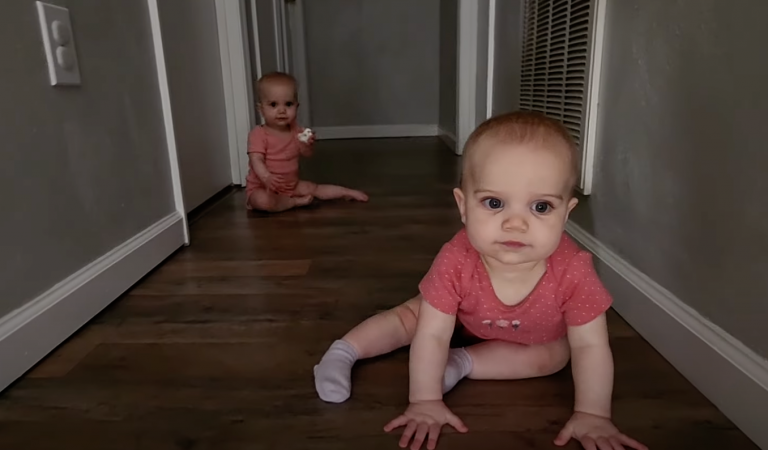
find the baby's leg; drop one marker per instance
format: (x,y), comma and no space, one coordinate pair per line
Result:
(265,200)
(377,335)
(329,191)
(499,360)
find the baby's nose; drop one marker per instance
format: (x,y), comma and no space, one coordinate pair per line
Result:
(515,222)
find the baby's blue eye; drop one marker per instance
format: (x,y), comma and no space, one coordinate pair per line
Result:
(541,207)
(493,203)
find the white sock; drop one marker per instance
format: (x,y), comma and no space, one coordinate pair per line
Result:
(333,375)
(458,366)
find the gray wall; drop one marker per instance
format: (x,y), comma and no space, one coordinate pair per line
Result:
(82,169)
(372,63)
(507,56)
(449,19)
(193,59)
(681,175)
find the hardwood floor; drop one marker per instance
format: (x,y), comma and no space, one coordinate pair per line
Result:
(215,349)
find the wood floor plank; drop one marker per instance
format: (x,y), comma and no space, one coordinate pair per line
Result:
(64,358)
(215,349)
(258,268)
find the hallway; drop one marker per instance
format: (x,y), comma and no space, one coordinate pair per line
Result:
(215,349)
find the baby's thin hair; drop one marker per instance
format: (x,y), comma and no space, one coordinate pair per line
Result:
(275,77)
(523,127)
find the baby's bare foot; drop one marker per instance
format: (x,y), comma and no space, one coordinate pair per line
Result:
(303,201)
(356,195)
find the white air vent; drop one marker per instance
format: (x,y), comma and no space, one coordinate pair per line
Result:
(562,49)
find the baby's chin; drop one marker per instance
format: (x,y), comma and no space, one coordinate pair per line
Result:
(515,256)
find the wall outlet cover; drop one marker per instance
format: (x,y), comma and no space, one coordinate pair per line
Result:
(59,43)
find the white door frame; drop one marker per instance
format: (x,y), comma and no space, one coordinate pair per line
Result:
(255,44)
(491,55)
(237,76)
(238,94)
(280,19)
(294,22)
(288,23)
(165,101)
(256,47)
(466,77)
(472,15)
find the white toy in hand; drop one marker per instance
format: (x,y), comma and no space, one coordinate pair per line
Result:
(305,135)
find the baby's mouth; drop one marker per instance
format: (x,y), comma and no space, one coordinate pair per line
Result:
(514,244)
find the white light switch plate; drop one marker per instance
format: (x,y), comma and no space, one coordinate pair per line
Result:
(59,42)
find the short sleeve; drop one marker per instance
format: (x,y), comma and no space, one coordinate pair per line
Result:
(257,141)
(584,295)
(441,286)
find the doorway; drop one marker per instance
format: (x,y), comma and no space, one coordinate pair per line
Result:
(365,69)
(276,40)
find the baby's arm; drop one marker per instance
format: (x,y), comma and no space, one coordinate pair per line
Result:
(259,166)
(429,353)
(257,149)
(587,301)
(592,367)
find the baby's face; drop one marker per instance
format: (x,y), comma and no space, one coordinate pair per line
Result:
(278,104)
(515,201)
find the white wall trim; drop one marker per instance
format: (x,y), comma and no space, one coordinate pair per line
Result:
(593,98)
(375,131)
(491,57)
(234,67)
(165,100)
(448,138)
(466,100)
(727,372)
(28,334)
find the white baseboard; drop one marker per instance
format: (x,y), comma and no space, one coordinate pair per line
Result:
(728,373)
(447,137)
(375,131)
(28,334)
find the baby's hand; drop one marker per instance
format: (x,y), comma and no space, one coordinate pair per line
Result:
(307,136)
(422,418)
(273,183)
(595,433)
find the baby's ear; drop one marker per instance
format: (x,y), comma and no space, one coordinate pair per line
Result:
(572,202)
(461,203)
